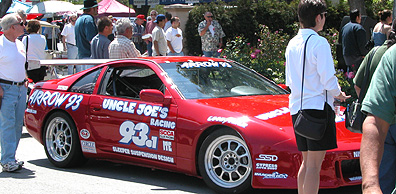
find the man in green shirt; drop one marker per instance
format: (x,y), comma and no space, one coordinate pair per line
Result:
(379,104)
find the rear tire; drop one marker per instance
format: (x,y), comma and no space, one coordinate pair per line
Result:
(224,162)
(61,141)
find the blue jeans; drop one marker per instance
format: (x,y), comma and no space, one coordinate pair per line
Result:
(387,169)
(85,67)
(176,54)
(211,53)
(72,53)
(150,49)
(11,120)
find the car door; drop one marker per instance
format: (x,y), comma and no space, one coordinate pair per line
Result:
(124,125)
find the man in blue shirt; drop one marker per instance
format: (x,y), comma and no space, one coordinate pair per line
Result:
(353,41)
(100,43)
(85,29)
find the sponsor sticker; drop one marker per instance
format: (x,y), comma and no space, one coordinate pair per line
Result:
(167,134)
(355,178)
(84,133)
(266,157)
(28,110)
(88,146)
(242,121)
(274,175)
(167,146)
(273,114)
(356,154)
(205,64)
(60,87)
(138,134)
(142,154)
(265,166)
(55,99)
(134,108)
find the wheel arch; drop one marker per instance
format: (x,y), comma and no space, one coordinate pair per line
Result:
(45,120)
(205,134)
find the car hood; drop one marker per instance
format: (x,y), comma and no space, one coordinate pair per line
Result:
(272,111)
(270,108)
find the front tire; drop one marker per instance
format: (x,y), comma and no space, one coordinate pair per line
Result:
(224,162)
(61,142)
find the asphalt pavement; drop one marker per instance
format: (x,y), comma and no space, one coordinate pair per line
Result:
(41,177)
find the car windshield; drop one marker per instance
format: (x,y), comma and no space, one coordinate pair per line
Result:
(201,80)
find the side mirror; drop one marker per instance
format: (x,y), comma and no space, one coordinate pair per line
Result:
(283,86)
(153,95)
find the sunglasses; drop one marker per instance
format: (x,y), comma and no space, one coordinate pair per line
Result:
(325,14)
(21,23)
(209,16)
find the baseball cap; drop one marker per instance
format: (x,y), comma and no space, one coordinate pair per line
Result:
(141,16)
(159,18)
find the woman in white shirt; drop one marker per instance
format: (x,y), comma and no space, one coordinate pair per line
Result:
(35,51)
(318,78)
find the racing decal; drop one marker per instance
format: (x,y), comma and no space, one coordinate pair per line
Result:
(355,178)
(242,121)
(88,146)
(138,134)
(205,64)
(273,114)
(356,154)
(134,108)
(265,166)
(28,110)
(167,146)
(55,99)
(265,157)
(167,134)
(142,154)
(274,175)
(162,123)
(84,133)
(60,87)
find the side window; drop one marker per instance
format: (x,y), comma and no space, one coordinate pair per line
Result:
(129,81)
(86,84)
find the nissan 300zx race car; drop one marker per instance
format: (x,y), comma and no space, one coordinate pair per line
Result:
(206,117)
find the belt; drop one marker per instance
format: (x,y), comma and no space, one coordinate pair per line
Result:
(70,44)
(12,83)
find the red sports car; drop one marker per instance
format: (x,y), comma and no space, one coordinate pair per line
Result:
(206,117)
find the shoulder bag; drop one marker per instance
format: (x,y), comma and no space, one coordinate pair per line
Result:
(305,125)
(353,116)
(27,46)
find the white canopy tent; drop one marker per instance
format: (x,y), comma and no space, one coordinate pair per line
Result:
(51,8)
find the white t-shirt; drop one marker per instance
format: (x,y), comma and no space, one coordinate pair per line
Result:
(68,32)
(176,42)
(12,60)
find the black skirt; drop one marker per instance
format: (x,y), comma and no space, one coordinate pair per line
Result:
(328,141)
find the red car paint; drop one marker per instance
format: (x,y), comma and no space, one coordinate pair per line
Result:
(174,140)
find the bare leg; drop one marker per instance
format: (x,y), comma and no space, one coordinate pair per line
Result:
(301,174)
(313,165)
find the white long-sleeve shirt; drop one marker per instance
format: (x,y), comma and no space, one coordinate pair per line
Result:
(319,72)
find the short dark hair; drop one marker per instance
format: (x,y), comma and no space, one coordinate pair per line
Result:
(384,14)
(168,16)
(103,22)
(33,26)
(308,10)
(354,14)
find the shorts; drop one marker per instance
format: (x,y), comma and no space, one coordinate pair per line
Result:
(329,140)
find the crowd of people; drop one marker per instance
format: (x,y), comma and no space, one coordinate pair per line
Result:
(22,47)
